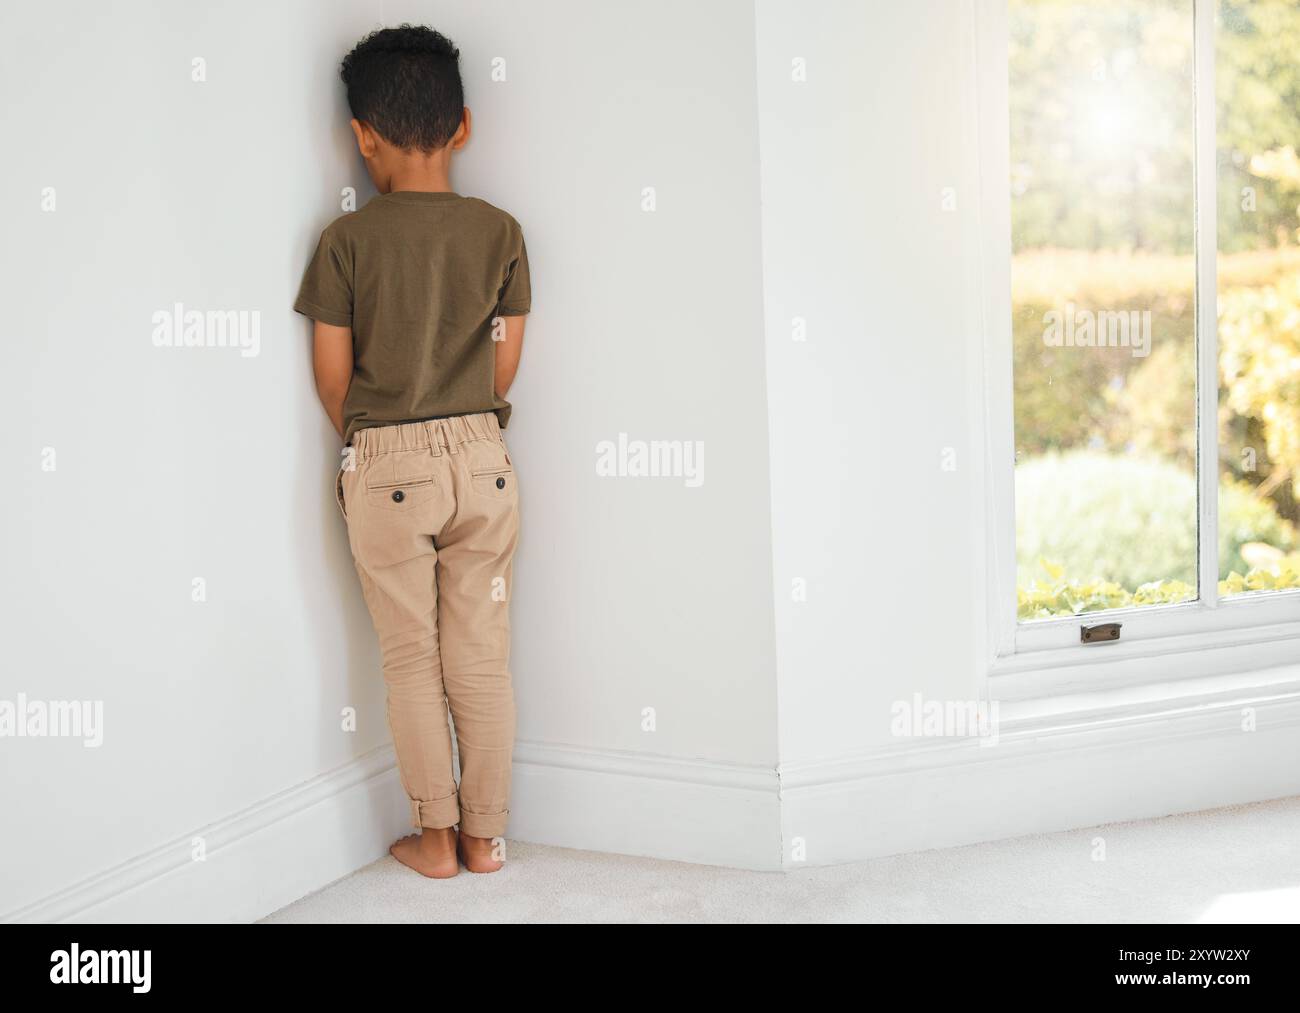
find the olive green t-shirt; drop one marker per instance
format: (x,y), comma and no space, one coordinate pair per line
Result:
(419,277)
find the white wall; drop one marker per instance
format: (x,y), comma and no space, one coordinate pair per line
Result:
(856,241)
(181,463)
(823,458)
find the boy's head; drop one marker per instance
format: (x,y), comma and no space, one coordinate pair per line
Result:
(406,97)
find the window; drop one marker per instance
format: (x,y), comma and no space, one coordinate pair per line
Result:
(1257,52)
(1154,319)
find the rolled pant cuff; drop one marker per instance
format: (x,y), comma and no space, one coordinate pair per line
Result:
(486,825)
(437,814)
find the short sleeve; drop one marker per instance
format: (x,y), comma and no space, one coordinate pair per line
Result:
(516,294)
(326,290)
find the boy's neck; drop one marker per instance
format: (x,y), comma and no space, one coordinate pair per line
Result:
(426,176)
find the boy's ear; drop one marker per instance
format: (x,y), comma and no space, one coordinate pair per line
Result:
(461,135)
(366,143)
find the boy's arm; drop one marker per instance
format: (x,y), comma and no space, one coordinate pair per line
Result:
(508,350)
(332,363)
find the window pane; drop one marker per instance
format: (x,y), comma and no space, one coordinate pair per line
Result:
(1103,284)
(1257,52)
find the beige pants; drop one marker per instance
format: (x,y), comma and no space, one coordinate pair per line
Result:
(433,517)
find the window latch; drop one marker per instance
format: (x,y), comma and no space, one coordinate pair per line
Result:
(1099,634)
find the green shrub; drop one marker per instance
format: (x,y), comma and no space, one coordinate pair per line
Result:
(1055,595)
(1129,520)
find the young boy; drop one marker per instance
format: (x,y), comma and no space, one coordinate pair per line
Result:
(419,302)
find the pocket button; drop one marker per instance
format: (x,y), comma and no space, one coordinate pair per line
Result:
(398,495)
(501,483)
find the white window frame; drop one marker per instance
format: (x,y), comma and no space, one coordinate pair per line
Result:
(1206,637)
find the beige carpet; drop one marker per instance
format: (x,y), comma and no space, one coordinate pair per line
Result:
(1228,865)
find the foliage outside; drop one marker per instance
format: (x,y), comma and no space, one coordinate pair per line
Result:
(1101,216)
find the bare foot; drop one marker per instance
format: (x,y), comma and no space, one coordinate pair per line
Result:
(481,854)
(431,853)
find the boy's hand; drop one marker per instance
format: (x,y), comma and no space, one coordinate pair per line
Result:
(508,351)
(332,363)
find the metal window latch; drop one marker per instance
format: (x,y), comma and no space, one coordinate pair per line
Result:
(1099,634)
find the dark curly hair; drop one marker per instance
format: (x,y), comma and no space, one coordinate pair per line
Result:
(405,82)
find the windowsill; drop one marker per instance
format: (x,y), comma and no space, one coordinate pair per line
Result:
(1091,709)
(1062,673)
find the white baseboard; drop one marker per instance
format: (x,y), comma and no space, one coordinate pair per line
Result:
(1044,775)
(255,860)
(691,811)
(657,807)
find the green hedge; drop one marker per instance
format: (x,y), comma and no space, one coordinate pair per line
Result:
(1130,520)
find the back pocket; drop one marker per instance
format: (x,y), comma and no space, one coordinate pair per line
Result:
(497,484)
(490,470)
(402,480)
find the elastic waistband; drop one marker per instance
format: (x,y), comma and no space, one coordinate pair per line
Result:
(436,434)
